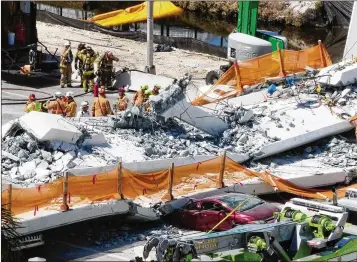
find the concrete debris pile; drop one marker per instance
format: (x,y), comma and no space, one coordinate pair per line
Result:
(333,152)
(169,95)
(244,136)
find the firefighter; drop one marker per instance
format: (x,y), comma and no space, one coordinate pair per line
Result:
(153,92)
(84,112)
(32,104)
(78,63)
(121,104)
(58,106)
(66,66)
(139,97)
(71,105)
(88,57)
(101,105)
(105,68)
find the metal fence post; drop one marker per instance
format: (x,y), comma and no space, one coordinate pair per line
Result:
(64,206)
(120,180)
(323,61)
(281,64)
(9,188)
(171,181)
(236,69)
(220,182)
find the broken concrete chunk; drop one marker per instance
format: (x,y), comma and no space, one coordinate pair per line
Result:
(97,139)
(22,154)
(247,117)
(42,173)
(9,156)
(46,155)
(49,127)
(243,139)
(57,156)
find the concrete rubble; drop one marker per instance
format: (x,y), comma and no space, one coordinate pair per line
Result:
(37,152)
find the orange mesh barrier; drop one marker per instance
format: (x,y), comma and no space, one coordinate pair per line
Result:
(29,199)
(186,179)
(259,69)
(287,186)
(136,184)
(97,187)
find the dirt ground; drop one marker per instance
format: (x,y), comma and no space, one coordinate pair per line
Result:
(132,54)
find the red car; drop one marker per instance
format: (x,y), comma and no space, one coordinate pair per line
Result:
(204,214)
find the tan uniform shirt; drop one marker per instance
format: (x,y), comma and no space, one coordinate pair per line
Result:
(71,109)
(58,107)
(101,107)
(122,103)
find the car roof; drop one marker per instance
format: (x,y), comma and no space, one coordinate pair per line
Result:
(222,196)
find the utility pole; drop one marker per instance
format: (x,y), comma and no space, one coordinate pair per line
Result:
(150,68)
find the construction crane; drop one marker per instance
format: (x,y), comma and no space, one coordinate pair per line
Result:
(303,231)
(247,42)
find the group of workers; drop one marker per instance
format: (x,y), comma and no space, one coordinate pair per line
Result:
(66,106)
(89,65)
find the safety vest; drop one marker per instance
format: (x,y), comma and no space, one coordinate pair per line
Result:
(34,106)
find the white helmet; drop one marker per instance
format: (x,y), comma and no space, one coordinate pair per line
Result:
(67,43)
(58,94)
(84,104)
(69,94)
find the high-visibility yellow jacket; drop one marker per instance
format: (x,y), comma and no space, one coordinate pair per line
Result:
(32,106)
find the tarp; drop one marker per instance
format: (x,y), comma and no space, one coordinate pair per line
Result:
(186,179)
(258,70)
(137,13)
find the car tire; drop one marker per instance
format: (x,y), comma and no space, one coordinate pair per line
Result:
(212,77)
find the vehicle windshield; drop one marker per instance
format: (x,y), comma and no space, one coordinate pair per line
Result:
(234,200)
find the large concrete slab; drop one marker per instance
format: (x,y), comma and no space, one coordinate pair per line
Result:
(46,219)
(299,126)
(334,76)
(196,117)
(48,127)
(155,165)
(135,79)
(351,47)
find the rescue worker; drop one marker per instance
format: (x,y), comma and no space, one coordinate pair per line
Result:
(88,57)
(353,121)
(121,104)
(84,112)
(78,63)
(101,105)
(105,68)
(71,105)
(153,92)
(32,104)
(58,106)
(66,66)
(139,97)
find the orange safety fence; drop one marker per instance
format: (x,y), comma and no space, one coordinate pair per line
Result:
(257,70)
(156,185)
(31,199)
